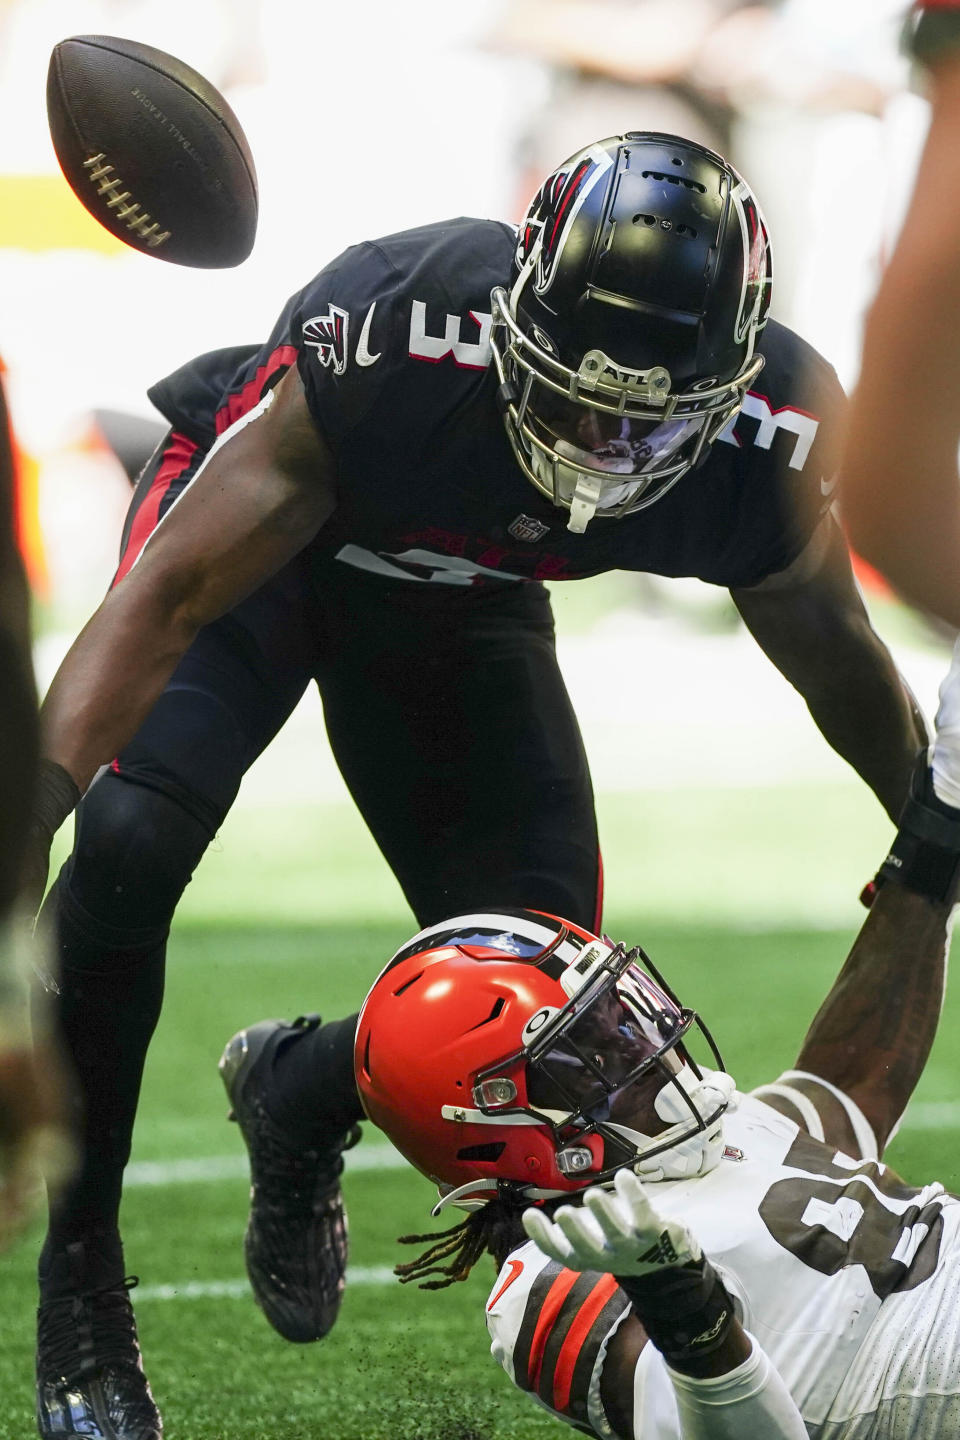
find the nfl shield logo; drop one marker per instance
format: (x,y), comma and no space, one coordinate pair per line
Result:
(526,528)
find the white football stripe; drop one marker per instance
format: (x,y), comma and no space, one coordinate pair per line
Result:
(529,929)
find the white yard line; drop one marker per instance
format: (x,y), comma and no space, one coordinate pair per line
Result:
(932,1115)
(239,1289)
(924,1115)
(144,1174)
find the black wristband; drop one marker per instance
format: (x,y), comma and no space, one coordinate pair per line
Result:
(685,1309)
(925,854)
(55,797)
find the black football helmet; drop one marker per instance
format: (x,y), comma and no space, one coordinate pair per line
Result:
(627,340)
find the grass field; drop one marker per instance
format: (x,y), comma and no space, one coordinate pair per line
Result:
(746,899)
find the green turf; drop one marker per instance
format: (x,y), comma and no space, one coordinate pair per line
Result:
(766,856)
(712,889)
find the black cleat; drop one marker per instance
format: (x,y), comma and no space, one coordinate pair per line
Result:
(296,1238)
(90,1379)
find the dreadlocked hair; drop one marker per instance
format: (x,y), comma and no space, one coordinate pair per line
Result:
(494,1230)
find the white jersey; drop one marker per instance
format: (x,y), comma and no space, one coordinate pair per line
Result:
(819,1251)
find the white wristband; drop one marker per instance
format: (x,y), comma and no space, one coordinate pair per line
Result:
(751,1400)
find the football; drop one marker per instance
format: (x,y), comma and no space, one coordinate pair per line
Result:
(152,150)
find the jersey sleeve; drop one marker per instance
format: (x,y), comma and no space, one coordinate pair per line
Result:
(822,1110)
(549,1329)
(823,396)
(790,428)
(345,326)
(192,397)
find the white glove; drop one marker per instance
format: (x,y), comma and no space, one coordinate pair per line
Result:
(946,747)
(615,1231)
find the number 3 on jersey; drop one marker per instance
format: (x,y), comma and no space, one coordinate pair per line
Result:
(853,1216)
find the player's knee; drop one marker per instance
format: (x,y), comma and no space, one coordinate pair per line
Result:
(134,852)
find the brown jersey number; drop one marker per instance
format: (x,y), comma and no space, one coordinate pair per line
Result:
(834,1217)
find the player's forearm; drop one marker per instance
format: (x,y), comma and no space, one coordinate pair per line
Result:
(750,1400)
(18,736)
(818,634)
(872,1035)
(918,553)
(833,657)
(111,677)
(18,701)
(865,712)
(898,486)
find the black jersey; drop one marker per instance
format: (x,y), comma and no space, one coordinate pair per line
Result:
(392,341)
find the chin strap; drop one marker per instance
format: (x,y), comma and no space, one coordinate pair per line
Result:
(693,1153)
(583,504)
(472,1196)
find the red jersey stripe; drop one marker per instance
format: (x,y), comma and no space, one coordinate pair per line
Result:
(176,458)
(243,400)
(551,1308)
(576,1335)
(598,912)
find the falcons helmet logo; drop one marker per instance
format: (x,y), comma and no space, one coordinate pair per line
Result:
(555,206)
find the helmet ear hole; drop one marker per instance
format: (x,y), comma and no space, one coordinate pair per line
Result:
(489,1152)
(365,1062)
(498,1005)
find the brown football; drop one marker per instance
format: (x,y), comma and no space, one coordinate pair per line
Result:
(152,150)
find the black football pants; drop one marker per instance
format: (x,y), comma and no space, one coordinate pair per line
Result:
(451,725)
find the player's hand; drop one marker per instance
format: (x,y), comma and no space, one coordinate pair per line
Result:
(617,1231)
